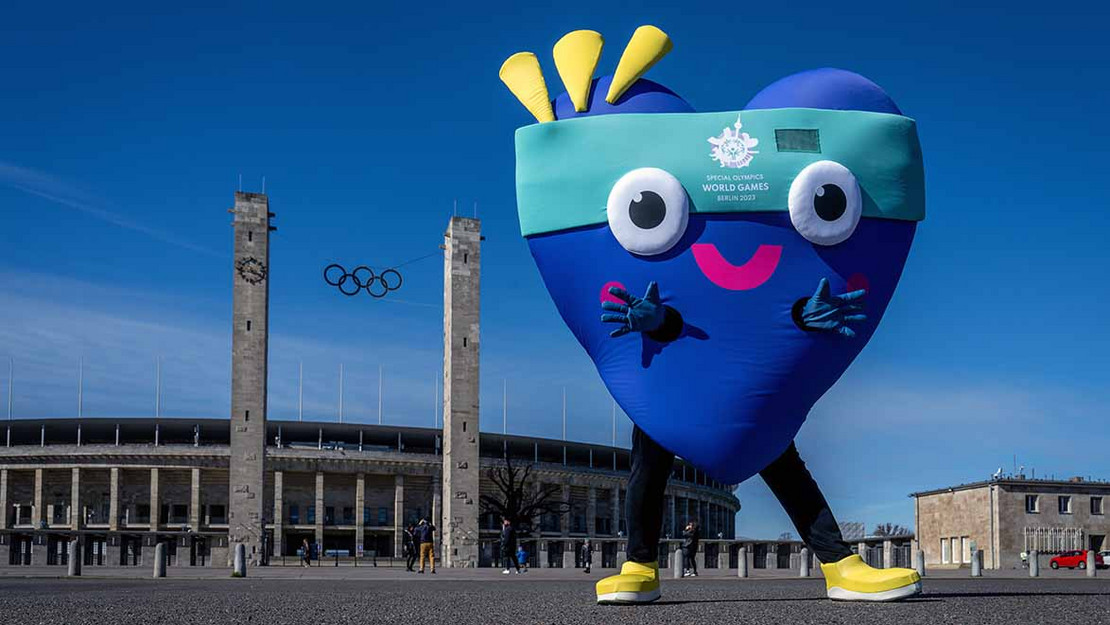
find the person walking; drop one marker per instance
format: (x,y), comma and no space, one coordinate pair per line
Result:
(522,558)
(587,555)
(425,537)
(508,546)
(690,540)
(409,539)
(306,553)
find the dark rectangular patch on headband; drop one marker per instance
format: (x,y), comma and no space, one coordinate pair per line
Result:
(797,140)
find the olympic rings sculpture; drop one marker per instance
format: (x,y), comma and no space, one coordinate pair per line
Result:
(360,278)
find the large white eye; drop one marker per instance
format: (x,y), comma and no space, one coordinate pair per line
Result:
(647,211)
(825,203)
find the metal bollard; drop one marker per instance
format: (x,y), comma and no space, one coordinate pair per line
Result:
(74,557)
(1034,564)
(678,563)
(919,562)
(239,568)
(977,563)
(742,562)
(803,568)
(160,560)
(1091,567)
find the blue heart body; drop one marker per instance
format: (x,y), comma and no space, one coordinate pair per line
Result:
(731,393)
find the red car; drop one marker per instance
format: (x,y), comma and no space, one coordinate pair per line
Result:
(1073,560)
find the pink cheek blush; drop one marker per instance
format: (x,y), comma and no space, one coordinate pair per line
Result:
(858,281)
(606,296)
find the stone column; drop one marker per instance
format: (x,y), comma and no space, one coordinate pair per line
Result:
(615,501)
(155,501)
(36,508)
(888,554)
(194,501)
(722,556)
(113,499)
(279,513)
(75,516)
(437,502)
(398,513)
(360,515)
(3,499)
(320,507)
(564,521)
(673,507)
(591,510)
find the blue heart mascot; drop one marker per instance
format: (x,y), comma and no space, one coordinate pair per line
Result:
(721,269)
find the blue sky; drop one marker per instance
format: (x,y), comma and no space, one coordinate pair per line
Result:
(127,126)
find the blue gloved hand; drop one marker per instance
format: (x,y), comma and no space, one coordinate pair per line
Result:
(825,312)
(637,314)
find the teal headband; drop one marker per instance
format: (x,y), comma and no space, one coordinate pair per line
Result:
(728,162)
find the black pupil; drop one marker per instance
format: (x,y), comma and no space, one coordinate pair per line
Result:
(649,211)
(830,202)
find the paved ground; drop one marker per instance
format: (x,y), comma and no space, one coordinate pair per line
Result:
(487,598)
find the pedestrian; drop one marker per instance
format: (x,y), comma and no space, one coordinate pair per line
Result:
(690,550)
(410,547)
(306,553)
(425,537)
(587,555)
(508,546)
(522,557)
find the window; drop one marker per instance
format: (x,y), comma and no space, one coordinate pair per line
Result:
(383,516)
(248,325)
(142,513)
(329,515)
(945,554)
(311,515)
(965,548)
(179,513)
(955,549)
(1096,505)
(217,513)
(1065,504)
(250,235)
(366,515)
(1031,504)
(348,516)
(294,514)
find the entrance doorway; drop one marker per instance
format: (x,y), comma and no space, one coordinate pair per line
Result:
(19,553)
(555,554)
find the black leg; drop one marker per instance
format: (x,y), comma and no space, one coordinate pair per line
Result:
(800,496)
(651,468)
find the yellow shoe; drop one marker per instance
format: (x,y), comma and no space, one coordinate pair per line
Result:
(852,580)
(637,583)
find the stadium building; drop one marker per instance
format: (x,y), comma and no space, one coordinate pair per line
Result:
(204,485)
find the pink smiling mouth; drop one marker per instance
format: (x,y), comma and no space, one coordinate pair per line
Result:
(752,274)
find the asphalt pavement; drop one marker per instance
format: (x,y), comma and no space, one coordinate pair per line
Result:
(489,598)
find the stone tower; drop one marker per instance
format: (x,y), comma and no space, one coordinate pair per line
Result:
(461,303)
(249,353)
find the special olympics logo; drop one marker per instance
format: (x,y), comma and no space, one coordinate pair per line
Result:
(733,148)
(362,277)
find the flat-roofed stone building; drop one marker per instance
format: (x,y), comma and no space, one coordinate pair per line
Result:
(1009,516)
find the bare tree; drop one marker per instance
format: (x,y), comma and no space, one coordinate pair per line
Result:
(518,498)
(890,529)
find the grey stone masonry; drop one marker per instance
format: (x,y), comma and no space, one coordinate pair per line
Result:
(249,353)
(461,307)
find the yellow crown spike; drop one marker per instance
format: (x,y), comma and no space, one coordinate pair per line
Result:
(647,46)
(576,56)
(521,74)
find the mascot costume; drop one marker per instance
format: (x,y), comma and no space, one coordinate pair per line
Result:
(739,261)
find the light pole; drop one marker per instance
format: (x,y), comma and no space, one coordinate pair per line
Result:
(80,385)
(380,375)
(341,392)
(300,391)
